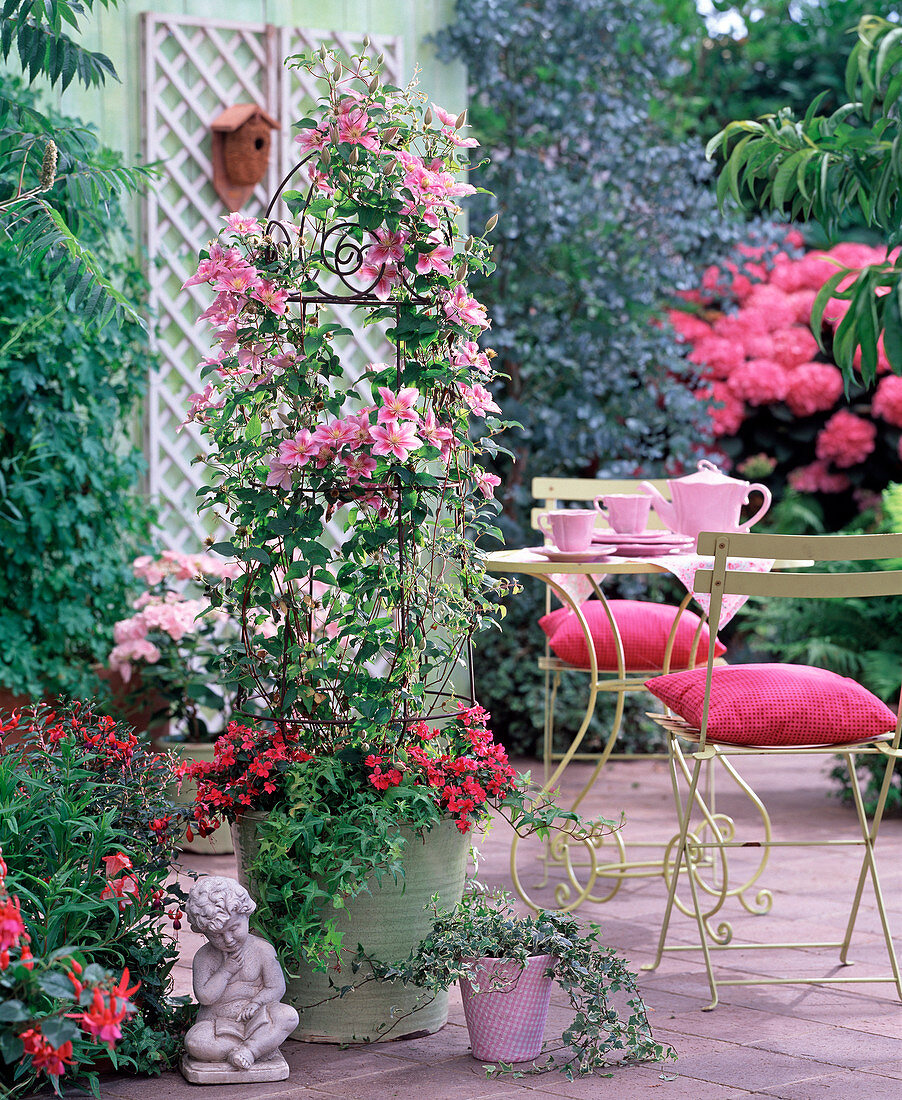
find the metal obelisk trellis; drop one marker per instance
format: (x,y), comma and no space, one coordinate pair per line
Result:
(192,69)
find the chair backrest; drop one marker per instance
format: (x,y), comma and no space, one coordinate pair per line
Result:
(554,492)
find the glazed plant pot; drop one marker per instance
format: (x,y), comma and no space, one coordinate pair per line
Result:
(506,1007)
(389,919)
(219,842)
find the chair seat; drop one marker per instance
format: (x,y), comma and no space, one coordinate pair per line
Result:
(688,732)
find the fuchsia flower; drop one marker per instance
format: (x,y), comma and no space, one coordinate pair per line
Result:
(793,346)
(11,924)
(394,438)
(398,406)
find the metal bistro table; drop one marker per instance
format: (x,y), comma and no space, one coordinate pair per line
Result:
(578,853)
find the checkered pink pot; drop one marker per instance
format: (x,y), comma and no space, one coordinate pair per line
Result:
(506,1018)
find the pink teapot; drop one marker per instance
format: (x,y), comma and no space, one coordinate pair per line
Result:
(707,501)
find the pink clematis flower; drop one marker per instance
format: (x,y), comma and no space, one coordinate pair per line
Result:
(336,434)
(389,246)
(220,260)
(298,451)
(464,310)
(470,355)
(272,297)
(387,276)
(354,129)
(310,138)
(398,406)
(280,476)
(394,438)
(359,466)
(486,483)
(436,260)
(435,434)
(478,398)
(242,224)
(241,280)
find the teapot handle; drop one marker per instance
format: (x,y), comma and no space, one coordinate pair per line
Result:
(765,492)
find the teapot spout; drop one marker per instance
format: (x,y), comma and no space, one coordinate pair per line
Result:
(664,508)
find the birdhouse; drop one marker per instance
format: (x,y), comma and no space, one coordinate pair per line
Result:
(242,136)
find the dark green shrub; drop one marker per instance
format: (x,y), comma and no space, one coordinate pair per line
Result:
(70,516)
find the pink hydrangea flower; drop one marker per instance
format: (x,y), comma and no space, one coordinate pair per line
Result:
(727,418)
(759,382)
(793,346)
(887,402)
(394,438)
(720,357)
(802,301)
(818,478)
(813,388)
(688,326)
(846,439)
(773,307)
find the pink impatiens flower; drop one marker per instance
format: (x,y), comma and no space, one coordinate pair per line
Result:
(394,438)
(398,406)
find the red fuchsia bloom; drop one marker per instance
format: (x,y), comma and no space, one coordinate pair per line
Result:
(478,398)
(464,310)
(398,406)
(719,356)
(759,382)
(817,478)
(794,346)
(242,224)
(486,483)
(299,450)
(354,129)
(470,355)
(12,927)
(46,1058)
(846,439)
(887,402)
(121,888)
(275,300)
(389,247)
(436,260)
(104,1018)
(116,863)
(394,438)
(813,388)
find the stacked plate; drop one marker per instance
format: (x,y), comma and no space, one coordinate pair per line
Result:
(592,554)
(645,544)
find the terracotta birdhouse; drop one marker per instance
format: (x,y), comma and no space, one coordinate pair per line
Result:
(242,136)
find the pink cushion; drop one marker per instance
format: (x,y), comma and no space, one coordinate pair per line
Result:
(644,628)
(776,705)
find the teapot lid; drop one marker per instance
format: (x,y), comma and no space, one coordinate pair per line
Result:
(709,474)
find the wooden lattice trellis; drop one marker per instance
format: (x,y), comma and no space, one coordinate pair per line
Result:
(193,69)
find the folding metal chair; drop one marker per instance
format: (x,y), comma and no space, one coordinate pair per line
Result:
(720,714)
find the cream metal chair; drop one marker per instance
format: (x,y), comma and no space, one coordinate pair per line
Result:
(554,493)
(706,841)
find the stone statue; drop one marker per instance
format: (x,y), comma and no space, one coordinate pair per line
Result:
(239,985)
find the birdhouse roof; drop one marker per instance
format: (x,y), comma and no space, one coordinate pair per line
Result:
(233,117)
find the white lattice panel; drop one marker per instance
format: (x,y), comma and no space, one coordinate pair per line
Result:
(194,69)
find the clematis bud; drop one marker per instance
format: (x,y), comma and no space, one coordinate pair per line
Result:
(460,120)
(380,59)
(373,84)
(366,42)
(387,168)
(325,157)
(336,74)
(353,156)
(461,273)
(389,135)
(491,223)
(344,179)
(427,118)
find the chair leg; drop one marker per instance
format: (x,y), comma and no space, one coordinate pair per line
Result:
(868,863)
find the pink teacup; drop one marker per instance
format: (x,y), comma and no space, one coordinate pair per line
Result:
(627,513)
(570,530)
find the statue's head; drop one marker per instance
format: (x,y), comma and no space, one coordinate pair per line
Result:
(214,900)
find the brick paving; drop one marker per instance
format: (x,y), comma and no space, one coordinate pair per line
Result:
(788,1042)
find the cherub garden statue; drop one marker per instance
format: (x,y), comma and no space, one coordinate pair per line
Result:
(239,985)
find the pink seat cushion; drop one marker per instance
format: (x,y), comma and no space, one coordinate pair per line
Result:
(776,705)
(644,629)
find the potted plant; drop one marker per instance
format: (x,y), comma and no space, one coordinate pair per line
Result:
(355,505)
(507,965)
(164,666)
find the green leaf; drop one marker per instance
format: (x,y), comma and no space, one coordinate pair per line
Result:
(15,1012)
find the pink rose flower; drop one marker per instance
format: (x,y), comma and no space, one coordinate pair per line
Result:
(845,439)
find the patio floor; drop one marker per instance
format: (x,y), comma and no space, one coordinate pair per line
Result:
(791,1042)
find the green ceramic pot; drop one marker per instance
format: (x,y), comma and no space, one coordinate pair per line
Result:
(389,921)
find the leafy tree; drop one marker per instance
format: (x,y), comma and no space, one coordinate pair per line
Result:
(821,167)
(46,164)
(602,219)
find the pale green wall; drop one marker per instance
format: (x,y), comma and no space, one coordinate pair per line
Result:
(116,108)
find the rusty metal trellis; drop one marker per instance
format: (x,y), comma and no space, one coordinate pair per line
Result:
(192,69)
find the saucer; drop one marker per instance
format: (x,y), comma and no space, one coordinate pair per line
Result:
(554,554)
(653,550)
(636,537)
